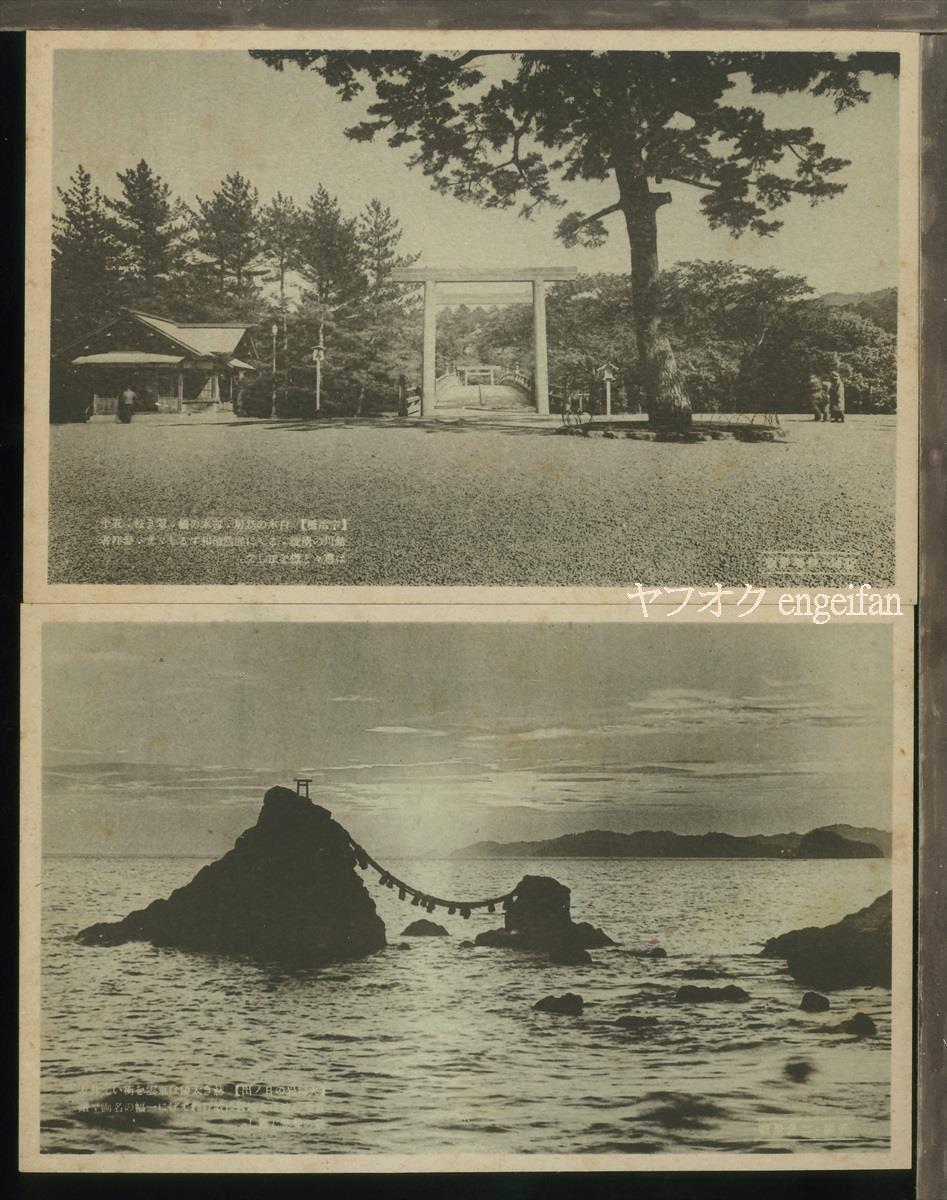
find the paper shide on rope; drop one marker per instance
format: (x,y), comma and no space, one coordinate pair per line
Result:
(462,908)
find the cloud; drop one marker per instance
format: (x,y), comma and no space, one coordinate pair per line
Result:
(580,778)
(667,709)
(534,735)
(354,699)
(405,765)
(407,730)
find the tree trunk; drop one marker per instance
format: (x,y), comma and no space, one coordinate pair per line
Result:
(665,396)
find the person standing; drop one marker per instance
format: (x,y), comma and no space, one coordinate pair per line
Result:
(126,405)
(837,397)
(817,398)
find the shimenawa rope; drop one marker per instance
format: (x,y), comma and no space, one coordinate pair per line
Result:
(423,899)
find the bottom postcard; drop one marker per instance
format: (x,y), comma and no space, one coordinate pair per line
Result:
(404,889)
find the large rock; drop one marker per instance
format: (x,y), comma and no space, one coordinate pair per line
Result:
(539,919)
(856,952)
(424,928)
(288,891)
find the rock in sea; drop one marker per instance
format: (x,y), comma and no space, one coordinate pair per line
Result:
(691,994)
(424,928)
(814,1002)
(568,1005)
(287,892)
(861,1025)
(636,1023)
(569,956)
(539,919)
(856,952)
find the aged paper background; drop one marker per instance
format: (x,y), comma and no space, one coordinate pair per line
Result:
(36,618)
(65,603)
(42,48)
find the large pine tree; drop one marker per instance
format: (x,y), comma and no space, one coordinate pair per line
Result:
(637,119)
(331,262)
(280,226)
(227,235)
(86,280)
(150,225)
(379,233)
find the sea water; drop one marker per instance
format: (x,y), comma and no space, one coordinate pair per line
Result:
(436,1048)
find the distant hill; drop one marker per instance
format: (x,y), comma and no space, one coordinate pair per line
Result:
(880,307)
(856,833)
(830,841)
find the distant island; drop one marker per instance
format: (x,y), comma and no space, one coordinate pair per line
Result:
(828,841)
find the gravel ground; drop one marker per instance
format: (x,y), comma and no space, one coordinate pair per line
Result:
(462,504)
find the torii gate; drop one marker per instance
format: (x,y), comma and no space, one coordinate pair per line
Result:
(432,276)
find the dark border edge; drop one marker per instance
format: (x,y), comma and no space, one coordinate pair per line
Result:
(932,616)
(905,15)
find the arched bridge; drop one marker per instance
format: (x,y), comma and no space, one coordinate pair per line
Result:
(484,389)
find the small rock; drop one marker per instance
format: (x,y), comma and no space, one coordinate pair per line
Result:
(690,994)
(636,1022)
(569,1005)
(497,939)
(861,1025)
(649,952)
(798,1070)
(588,936)
(701,973)
(569,956)
(467,944)
(404,946)
(814,1002)
(424,928)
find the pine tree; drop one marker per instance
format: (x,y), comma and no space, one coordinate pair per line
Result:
(279,225)
(379,234)
(86,284)
(227,233)
(331,258)
(332,263)
(150,226)
(279,238)
(381,333)
(636,119)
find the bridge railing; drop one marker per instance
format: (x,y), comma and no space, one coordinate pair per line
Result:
(519,379)
(446,380)
(559,399)
(410,403)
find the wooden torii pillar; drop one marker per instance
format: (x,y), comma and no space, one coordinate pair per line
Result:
(432,276)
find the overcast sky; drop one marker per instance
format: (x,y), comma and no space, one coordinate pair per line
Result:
(424,738)
(197,115)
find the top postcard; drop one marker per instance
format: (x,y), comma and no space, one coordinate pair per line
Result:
(509,316)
